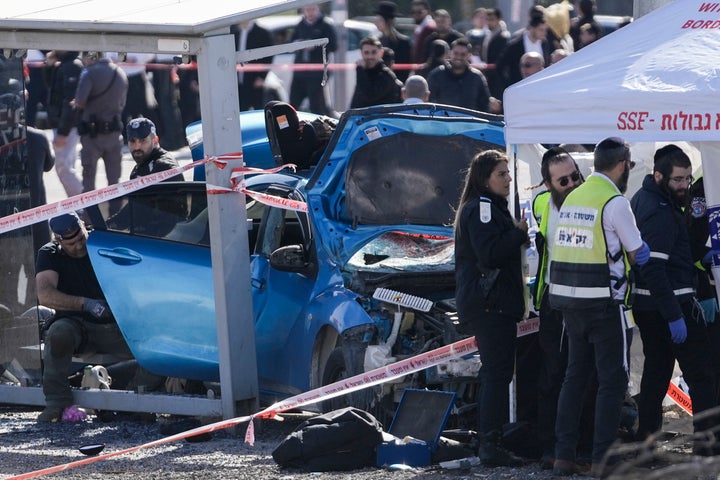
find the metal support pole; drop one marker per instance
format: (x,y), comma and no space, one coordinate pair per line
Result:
(228,229)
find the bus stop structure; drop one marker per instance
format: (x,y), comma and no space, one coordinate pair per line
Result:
(184,28)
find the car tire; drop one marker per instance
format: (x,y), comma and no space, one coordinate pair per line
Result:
(334,370)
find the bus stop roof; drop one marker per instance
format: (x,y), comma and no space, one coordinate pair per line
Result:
(104,25)
(188,17)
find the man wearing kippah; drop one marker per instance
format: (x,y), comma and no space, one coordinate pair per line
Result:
(144,145)
(66,282)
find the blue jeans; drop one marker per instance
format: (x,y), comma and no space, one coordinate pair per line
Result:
(595,341)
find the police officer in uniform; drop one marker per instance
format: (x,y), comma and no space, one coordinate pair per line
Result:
(100,98)
(669,317)
(490,291)
(588,283)
(145,149)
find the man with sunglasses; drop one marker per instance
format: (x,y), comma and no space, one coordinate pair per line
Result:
(560,176)
(595,238)
(66,282)
(671,321)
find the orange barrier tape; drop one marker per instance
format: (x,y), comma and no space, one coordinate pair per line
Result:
(679,397)
(341,387)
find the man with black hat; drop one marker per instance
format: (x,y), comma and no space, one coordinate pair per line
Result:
(144,145)
(66,282)
(386,12)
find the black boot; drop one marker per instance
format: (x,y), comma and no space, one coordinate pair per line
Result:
(492,454)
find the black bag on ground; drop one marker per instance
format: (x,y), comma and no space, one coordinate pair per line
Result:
(343,439)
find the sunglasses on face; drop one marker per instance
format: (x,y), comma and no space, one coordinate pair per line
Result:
(563,181)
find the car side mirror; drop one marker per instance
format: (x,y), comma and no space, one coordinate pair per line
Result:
(290,258)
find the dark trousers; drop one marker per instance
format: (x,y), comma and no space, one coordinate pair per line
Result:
(553,363)
(595,342)
(308,86)
(496,336)
(553,345)
(660,353)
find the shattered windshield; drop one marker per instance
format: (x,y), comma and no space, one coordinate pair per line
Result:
(407,252)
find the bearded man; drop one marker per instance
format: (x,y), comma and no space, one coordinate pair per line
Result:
(560,176)
(667,313)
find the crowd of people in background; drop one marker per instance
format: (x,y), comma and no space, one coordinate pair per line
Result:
(166,91)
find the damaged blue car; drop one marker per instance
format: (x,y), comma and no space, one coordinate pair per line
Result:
(380,196)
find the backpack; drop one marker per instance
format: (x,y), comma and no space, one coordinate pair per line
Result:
(340,440)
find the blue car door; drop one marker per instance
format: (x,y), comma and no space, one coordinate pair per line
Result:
(280,299)
(143,255)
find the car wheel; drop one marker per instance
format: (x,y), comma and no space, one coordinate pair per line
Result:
(335,370)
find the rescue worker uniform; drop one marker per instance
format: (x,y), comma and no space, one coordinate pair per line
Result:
(665,292)
(706,293)
(551,337)
(588,283)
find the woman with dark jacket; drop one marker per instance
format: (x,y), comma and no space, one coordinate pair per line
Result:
(490,291)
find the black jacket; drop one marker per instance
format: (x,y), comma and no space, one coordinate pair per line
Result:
(508,63)
(699,234)
(375,86)
(468,90)
(663,226)
(482,245)
(402,48)
(257,37)
(63,83)
(322,28)
(159,160)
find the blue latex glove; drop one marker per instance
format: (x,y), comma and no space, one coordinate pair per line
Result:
(643,254)
(707,260)
(710,309)
(678,330)
(97,308)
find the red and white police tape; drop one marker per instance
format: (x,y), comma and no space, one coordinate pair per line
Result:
(87,199)
(341,387)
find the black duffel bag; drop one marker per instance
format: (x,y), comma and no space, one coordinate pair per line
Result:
(340,440)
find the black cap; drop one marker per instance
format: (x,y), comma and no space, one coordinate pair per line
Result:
(386,9)
(66,225)
(140,128)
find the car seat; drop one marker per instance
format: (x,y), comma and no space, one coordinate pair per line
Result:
(293,140)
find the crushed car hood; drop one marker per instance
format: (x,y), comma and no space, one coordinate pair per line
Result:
(401,167)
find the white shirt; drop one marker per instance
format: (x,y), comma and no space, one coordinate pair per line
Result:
(620,229)
(552,221)
(531,46)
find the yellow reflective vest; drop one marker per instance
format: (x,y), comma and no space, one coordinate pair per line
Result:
(579,270)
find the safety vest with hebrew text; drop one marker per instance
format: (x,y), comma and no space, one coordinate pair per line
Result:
(579,270)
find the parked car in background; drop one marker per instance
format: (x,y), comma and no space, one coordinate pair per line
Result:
(342,79)
(380,208)
(610,23)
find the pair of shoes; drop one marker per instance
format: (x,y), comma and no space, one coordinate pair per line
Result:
(566,468)
(547,461)
(492,454)
(51,415)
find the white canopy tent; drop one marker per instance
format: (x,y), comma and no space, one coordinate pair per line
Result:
(655,80)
